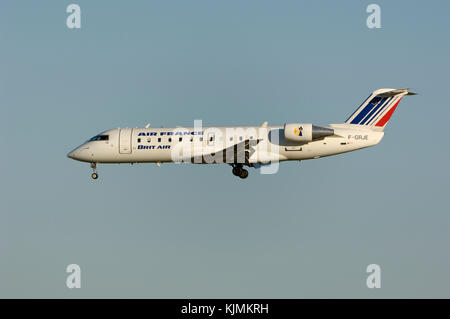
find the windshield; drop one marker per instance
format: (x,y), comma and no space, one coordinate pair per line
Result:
(99,138)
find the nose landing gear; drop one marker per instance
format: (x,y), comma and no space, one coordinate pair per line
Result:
(94,168)
(238,170)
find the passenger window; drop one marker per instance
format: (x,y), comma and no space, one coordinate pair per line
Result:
(192,139)
(201,139)
(149,140)
(180,139)
(139,140)
(240,138)
(159,139)
(170,139)
(231,139)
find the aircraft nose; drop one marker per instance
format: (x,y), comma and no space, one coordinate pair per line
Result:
(74,154)
(80,154)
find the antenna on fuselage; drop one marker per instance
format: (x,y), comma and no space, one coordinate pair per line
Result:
(148,125)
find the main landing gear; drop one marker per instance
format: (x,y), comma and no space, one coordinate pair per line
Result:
(239,171)
(94,168)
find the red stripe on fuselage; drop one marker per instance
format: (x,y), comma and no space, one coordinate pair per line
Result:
(388,115)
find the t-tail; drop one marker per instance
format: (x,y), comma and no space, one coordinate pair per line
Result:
(376,111)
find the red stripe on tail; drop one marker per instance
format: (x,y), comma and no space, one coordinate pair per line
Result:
(388,115)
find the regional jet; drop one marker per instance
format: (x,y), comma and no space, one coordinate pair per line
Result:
(245,146)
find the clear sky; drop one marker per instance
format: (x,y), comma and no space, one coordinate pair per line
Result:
(198,231)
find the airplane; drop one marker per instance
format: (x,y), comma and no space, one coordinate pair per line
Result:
(250,146)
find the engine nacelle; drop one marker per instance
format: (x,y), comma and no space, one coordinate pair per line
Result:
(304,133)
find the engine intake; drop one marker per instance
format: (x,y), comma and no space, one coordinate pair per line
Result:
(301,132)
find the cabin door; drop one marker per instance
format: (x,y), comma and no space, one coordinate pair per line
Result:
(125,140)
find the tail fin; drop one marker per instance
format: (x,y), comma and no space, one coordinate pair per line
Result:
(376,111)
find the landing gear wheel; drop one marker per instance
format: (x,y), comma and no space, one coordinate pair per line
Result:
(94,168)
(237,171)
(244,174)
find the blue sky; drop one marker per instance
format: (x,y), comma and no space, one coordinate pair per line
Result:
(197,231)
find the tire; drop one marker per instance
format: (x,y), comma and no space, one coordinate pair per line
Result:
(244,174)
(237,171)
(94,175)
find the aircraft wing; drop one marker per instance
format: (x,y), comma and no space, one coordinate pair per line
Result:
(238,153)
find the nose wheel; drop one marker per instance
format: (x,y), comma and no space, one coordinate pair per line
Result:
(94,168)
(239,171)
(244,174)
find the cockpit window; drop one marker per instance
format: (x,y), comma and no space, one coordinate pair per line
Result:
(99,138)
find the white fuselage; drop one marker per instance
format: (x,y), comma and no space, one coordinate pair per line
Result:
(158,145)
